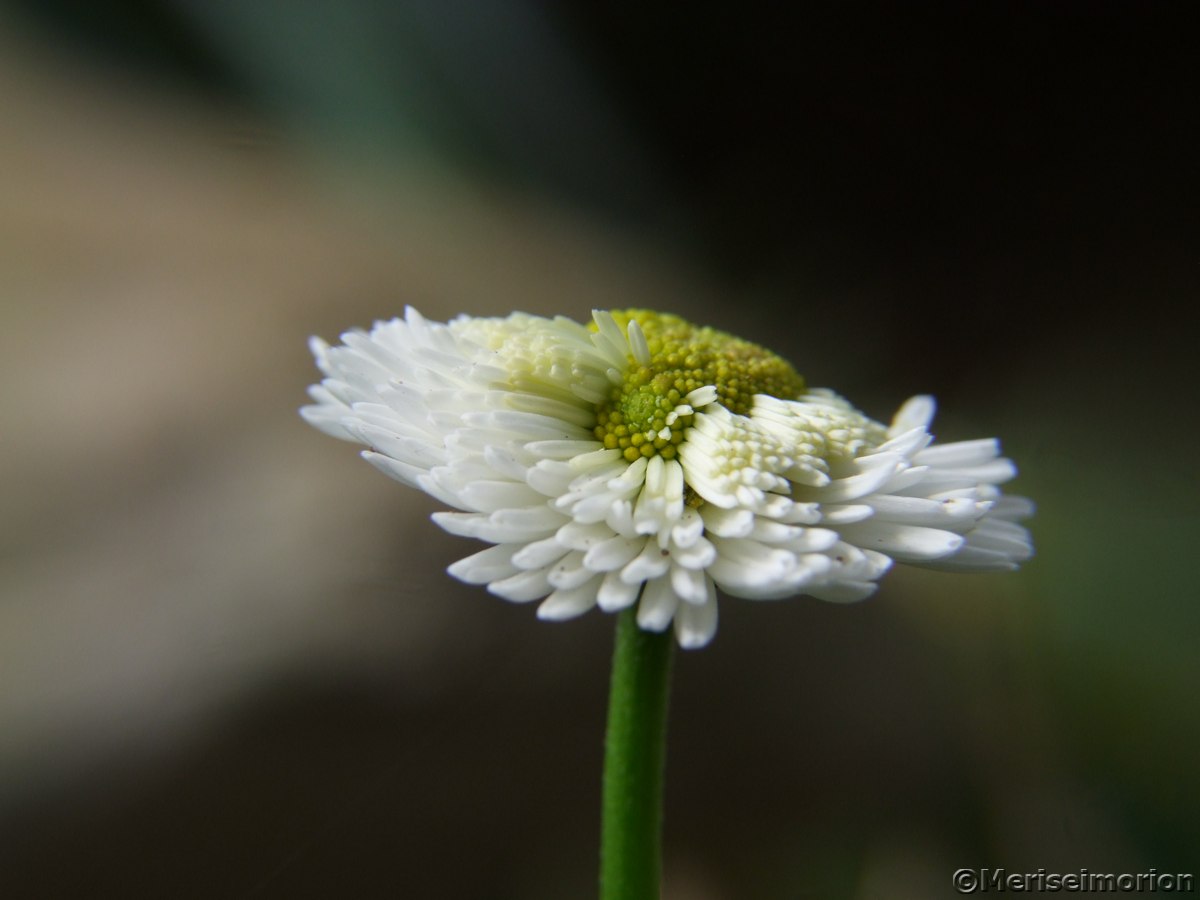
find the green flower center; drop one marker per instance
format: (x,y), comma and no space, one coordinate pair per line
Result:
(637,416)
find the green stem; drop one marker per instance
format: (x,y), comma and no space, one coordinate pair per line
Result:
(634,757)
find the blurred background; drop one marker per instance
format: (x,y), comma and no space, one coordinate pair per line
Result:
(231,664)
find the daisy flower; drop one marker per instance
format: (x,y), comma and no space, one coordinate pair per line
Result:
(641,459)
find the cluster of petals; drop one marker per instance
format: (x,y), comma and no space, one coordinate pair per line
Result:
(494,418)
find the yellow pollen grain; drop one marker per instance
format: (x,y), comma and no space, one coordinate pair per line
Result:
(684,357)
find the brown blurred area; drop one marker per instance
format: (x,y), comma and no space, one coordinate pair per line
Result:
(207,606)
(231,664)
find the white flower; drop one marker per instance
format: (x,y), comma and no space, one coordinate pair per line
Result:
(646,460)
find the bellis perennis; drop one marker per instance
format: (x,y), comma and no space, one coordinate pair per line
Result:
(645,460)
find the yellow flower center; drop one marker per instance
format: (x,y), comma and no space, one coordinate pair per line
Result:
(639,415)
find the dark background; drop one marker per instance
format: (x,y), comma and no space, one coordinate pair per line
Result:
(232,665)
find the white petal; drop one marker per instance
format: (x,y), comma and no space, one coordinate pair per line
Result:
(771,532)
(914,480)
(974,559)
(784,510)
(531,517)
(1005,537)
(689,584)
(539,554)
(743,565)
(650,563)
(505,463)
(529,424)
(611,342)
(917,412)
(569,603)
(597,461)
(961,453)
(702,396)
(688,530)
(592,509)
(574,413)
(695,624)
(997,471)
(402,472)
(550,477)
(637,343)
(490,496)
(615,594)
(905,444)
(327,416)
(859,485)
(1008,507)
(491,564)
(698,555)
(562,449)
(843,591)
(919,511)
(656,475)
(631,478)
(522,587)
(509,529)
(613,553)
(731,523)
(620,518)
(569,572)
(657,606)
(404,449)
(579,536)
(714,492)
(905,542)
(845,514)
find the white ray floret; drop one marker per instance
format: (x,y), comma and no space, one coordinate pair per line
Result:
(504,421)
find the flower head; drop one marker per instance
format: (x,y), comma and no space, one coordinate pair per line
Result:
(645,460)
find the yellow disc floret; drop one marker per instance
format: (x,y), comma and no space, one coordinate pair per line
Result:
(641,417)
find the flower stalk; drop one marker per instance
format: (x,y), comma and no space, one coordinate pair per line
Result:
(634,761)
